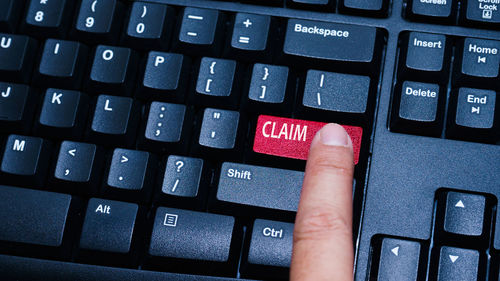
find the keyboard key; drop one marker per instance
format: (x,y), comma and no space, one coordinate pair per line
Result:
(425,56)
(478,60)
(25,160)
(78,168)
(472,114)
(269,89)
(243,188)
(351,47)
(399,260)
(167,128)
(418,108)
(292,138)
(108,227)
(184,182)
(165,77)
(35,220)
(205,239)
(62,64)
(270,249)
(17,53)
(321,5)
(10,12)
(63,113)
(114,121)
(113,70)
(98,21)
(149,26)
(483,13)
(130,176)
(47,18)
(458,264)
(336,92)
(217,83)
(219,133)
(17,106)
(432,11)
(250,38)
(376,8)
(200,31)
(464,214)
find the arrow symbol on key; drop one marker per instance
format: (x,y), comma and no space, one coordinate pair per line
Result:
(460,204)
(72,152)
(124,159)
(453,258)
(395,251)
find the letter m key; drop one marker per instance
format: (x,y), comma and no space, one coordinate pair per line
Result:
(18,145)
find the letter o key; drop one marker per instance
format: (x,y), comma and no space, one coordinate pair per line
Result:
(107,55)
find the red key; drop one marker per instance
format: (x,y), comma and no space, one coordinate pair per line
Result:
(292,138)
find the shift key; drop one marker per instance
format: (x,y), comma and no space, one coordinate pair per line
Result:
(249,186)
(352,46)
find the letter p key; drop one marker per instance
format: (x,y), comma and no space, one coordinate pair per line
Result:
(159,60)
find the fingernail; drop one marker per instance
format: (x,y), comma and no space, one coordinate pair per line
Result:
(334,135)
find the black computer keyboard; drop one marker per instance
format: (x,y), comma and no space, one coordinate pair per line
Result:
(166,139)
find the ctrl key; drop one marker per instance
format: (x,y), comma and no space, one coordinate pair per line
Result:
(269,250)
(193,242)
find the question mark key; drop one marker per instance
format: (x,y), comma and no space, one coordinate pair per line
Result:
(182,177)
